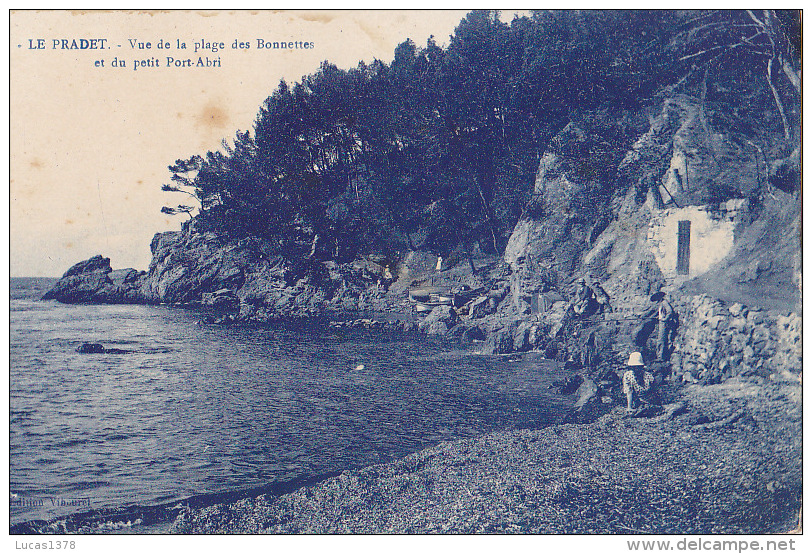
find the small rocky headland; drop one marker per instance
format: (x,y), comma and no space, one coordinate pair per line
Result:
(561,237)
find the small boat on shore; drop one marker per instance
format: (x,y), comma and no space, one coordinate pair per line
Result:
(441,299)
(423,294)
(426,299)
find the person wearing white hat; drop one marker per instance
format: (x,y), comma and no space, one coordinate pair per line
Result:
(637,381)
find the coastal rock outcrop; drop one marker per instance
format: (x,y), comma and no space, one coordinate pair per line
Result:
(93,281)
(189,263)
(90,348)
(249,277)
(96,348)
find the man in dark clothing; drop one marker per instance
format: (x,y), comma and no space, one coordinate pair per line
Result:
(602,298)
(589,354)
(584,302)
(666,328)
(662,317)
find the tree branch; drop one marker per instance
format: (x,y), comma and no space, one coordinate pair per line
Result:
(720,47)
(757,20)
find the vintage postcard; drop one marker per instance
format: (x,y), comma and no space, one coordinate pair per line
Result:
(406,272)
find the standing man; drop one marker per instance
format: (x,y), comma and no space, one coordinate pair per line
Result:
(589,354)
(666,328)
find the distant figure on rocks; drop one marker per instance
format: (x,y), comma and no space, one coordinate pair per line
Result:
(637,382)
(589,354)
(601,298)
(584,301)
(666,328)
(386,278)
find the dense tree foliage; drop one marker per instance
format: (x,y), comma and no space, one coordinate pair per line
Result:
(441,146)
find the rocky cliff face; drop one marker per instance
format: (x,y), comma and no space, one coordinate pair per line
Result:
(247,277)
(682,167)
(690,157)
(597,223)
(188,264)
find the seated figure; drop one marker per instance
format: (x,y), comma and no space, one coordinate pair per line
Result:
(637,383)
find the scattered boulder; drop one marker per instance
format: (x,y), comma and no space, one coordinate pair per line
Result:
(648,410)
(569,385)
(500,342)
(521,339)
(457,332)
(551,351)
(439,321)
(589,406)
(436,328)
(670,411)
(90,348)
(473,333)
(481,307)
(587,391)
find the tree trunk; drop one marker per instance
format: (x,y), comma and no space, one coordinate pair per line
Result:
(485,184)
(766,165)
(777,99)
(781,48)
(486,209)
(411,243)
(313,246)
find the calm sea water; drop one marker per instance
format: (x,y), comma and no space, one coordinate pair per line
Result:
(190,410)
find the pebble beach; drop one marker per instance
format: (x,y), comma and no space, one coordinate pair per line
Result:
(723,458)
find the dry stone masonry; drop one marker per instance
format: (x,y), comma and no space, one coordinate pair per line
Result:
(716,341)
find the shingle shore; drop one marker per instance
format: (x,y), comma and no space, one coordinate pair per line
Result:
(730,464)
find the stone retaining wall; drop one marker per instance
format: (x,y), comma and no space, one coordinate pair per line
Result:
(716,341)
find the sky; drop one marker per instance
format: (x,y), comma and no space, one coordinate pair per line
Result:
(90,143)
